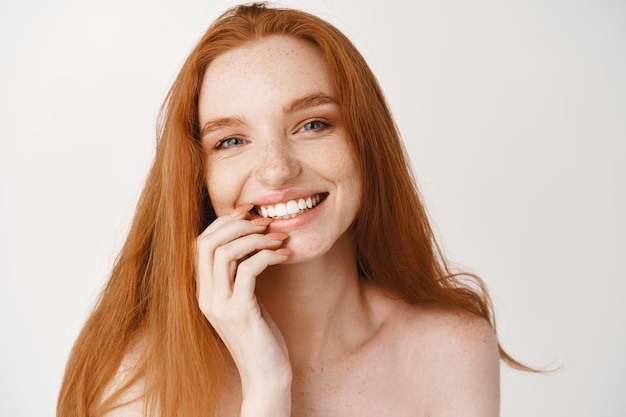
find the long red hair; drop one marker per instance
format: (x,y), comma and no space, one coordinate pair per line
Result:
(151,292)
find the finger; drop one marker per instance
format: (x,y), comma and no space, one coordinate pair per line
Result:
(229,229)
(228,256)
(239,213)
(248,270)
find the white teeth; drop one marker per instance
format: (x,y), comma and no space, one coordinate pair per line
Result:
(289,209)
(281,210)
(292,207)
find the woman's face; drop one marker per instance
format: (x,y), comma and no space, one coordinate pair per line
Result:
(273,136)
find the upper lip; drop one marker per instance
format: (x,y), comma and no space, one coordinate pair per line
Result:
(284,196)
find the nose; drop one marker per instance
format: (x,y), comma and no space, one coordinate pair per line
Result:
(277,163)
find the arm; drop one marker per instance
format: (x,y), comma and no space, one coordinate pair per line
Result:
(231,253)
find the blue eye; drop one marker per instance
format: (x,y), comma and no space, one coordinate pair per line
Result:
(315,125)
(228,143)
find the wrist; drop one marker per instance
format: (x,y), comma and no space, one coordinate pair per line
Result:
(268,398)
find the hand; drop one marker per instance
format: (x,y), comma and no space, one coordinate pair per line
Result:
(230,254)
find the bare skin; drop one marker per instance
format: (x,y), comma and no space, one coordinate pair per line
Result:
(306,335)
(416,361)
(343,347)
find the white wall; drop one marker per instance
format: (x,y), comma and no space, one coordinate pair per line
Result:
(514,114)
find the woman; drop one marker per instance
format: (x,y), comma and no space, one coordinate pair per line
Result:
(280,261)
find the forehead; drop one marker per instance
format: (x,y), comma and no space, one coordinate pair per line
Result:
(276,68)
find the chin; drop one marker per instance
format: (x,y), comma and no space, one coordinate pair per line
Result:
(308,248)
(304,250)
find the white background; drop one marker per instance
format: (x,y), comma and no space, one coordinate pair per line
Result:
(514,114)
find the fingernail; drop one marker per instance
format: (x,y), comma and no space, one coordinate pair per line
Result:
(283,251)
(241,210)
(277,236)
(261,221)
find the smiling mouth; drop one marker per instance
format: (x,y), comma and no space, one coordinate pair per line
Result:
(291,208)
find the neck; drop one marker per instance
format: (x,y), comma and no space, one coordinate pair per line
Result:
(318,305)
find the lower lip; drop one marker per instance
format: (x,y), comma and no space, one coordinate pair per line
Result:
(284,225)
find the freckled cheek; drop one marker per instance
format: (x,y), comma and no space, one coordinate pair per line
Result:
(224,190)
(353,187)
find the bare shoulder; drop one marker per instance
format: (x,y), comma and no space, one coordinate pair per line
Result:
(451,356)
(124,395)
(463,362)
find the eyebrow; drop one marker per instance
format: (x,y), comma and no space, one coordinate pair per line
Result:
(220,123)
(311,100)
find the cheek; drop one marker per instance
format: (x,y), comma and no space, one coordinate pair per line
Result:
(222,191)
(358,191)
(354,188)
(355,196)
(351,178)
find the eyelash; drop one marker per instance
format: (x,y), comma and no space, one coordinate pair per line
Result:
(220,144)
(323,125)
